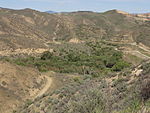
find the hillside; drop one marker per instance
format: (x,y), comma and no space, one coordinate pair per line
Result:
(17,84)
(28,28)
(121,93)
(77,62)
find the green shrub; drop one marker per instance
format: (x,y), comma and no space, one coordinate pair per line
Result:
(97,62)
(134,107)
(120,65)
(46,55)
(77,79)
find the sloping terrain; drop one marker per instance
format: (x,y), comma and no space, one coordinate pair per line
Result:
(100,80)
(100,62)
(17,84)
(28,28)
(116,93)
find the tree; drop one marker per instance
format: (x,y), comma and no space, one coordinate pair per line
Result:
(46,55)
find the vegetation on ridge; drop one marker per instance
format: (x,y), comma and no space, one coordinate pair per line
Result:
(98,61)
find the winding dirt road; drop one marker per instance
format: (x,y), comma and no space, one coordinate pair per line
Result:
(46,87)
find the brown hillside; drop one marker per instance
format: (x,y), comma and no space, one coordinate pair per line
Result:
(28,28)
(16,85)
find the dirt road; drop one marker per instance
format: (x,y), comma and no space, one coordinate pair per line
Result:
(46,87)
(138,54)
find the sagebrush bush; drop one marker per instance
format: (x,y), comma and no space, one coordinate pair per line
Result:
(145,90)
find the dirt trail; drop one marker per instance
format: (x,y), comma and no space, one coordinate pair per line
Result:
(145,48)
(46,87)
(138,54)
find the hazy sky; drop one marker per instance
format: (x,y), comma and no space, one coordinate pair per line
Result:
(132,6)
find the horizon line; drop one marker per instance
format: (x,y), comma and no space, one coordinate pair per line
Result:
(70,11)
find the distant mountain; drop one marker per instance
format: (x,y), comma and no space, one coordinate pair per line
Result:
(51,12)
